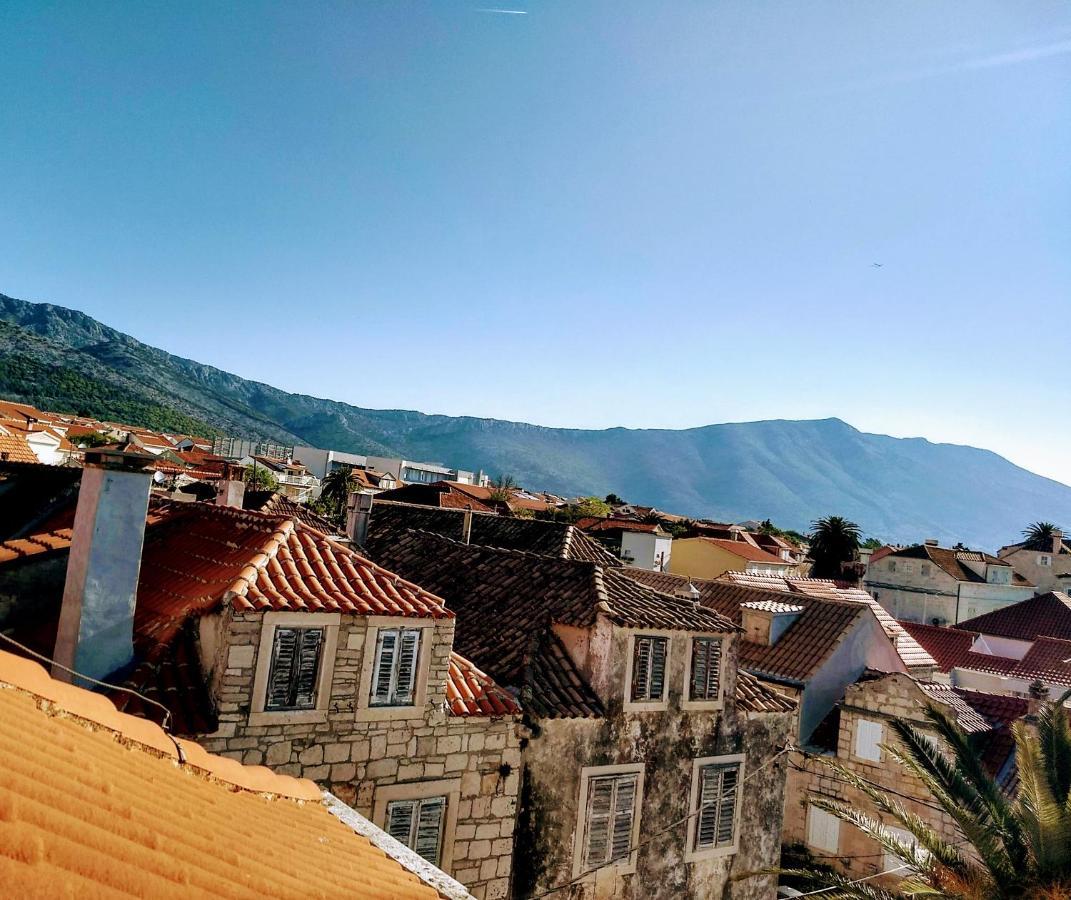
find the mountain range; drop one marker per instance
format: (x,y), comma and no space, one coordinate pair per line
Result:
(897,489)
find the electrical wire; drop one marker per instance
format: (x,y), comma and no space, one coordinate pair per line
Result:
(634,847)
(837,887)
(165,725)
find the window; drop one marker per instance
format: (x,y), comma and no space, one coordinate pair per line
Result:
(419,825)
(717,807)
(892,565)
(649,668)
(705,669)
(1044,560)
(611,806)
(823,830)
(395,667)
(868,737)
(924,569)
(891,860)
(295,668)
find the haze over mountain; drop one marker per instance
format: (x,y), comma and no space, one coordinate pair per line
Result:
(898,489)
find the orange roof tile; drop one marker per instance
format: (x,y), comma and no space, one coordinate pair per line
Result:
(94,803)
(744,550)
(13,447)
(470,692)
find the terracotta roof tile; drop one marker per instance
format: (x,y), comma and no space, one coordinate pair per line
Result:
(95,805)
(752,695)
(441,494)
(744,550)
(13,447)
(470,692)
(954,562)
(277,505)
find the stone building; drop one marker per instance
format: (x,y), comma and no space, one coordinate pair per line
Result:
(940,586)
(1044,563)
(854,733)
(274,645)
(642,732)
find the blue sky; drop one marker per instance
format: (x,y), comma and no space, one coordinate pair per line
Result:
(593,214)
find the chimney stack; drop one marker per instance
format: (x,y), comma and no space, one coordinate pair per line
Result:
(95,636)
(358,514)
(466,525)
(1057,541)
(231,489)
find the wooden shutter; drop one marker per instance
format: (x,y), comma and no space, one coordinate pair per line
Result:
(383,672)
(641,668)
(600,810)
(400,817)
(716,825)
(611,810)
(428,838)
(408,651)
(624,807)
(868,736)
(823,830)
(283,658)
(706,668)
(307,669)
(658,668)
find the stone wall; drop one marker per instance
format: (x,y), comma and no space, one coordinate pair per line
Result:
(354,759)
(666,742)
(895,696)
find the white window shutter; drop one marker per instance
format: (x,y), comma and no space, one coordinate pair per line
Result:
(409,648)
(716,825)
(823,830)
(868,737)
(624,808)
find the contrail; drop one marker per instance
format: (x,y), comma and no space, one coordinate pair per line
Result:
(1029,54)
(505,12)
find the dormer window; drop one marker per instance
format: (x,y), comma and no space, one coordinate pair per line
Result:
(649,669)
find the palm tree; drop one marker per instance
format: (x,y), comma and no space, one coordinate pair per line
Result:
(336,486)
(1039,535)
(834,541)
(1013,846)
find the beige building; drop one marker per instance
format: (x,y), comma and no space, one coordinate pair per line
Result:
(854,734)
(940,586)
(710,558)
(1046,565)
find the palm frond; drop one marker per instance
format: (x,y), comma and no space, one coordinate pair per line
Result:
(837,887)
(1044,817)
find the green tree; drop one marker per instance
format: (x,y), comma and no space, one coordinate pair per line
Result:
(834,541)
(591,506)
(502,488)
(614,500)
(1013,846)
(1039,535)
(872,543)
(334,489)
(258,478)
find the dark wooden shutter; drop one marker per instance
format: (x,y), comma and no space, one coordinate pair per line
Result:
(400,817)
(706,668)
(408,651)
(386,651)
(295,668)
(428,839)
(283,659)
(727,807)
(307,669)
(658,668)
(641,668)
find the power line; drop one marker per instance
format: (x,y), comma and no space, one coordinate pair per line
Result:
(165,725)
(633,848)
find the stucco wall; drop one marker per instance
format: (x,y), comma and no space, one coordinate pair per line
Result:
(1045,578)
(666,742)
(357,760)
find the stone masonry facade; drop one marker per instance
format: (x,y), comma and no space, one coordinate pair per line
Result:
(474,760)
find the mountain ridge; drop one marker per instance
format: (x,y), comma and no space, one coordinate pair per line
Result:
(789,470)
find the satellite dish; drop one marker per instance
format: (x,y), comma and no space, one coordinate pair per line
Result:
(158,477)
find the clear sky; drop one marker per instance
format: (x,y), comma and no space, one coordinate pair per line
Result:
(592,214)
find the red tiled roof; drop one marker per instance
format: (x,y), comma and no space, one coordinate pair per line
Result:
(13,447)
(1047,615)
(441,494)
(946,645)
(471,692)
(752,695)
(621,525)
(277,505)
(954,562)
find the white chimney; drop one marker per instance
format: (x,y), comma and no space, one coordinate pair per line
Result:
(1057,541)
(358,514)
(95,636)
(230,491)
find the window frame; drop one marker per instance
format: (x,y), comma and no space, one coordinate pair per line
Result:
(292,686)
(450,788)
(366,710)
(259,714)
(624,866)
(396,664)
(662,703)
(693,853)
(686,697)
